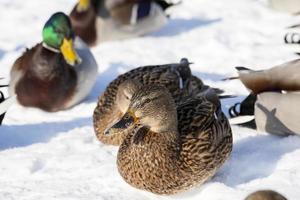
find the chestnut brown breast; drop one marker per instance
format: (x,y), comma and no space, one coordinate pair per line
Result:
(48,82)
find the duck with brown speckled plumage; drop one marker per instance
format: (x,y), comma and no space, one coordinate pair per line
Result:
(171,147)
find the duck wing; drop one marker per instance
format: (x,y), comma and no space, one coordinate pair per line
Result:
(206,138)
(194,116)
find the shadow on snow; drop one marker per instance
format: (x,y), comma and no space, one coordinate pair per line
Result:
(12,136)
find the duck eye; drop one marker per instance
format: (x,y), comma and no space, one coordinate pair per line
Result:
(126,117)
(58,30)
(127,124)
(71,35)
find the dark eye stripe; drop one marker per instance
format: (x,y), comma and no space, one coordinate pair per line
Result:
(148,100)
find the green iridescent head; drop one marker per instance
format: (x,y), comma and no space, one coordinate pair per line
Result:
(58,34)
(56,29)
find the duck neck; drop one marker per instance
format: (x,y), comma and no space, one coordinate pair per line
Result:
(46,46)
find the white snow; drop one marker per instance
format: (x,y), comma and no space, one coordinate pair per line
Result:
(57,156)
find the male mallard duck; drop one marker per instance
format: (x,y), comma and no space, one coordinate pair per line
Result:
(276,95)
(56,73)
(171,147)
(265,195)
(103,20)
(114,101)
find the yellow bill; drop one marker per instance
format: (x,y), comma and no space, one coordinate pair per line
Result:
(83,5)
(69,53)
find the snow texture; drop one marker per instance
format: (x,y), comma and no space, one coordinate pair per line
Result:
(57,156)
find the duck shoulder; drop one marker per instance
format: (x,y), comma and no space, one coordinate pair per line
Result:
(47,81)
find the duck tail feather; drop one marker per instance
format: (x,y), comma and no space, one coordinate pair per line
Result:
(227,96)
(184,69)
(185,61)
(166,4)
(230,78)
(218,91)
(294,26)
(241,68)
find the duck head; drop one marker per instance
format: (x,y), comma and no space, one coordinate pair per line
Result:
(125,93)
(58,36)
(152,107)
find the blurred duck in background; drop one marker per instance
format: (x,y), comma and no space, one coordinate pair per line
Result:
(293,36)
(55,74)
(274,99)
(98,21)
(265,195)
(289,6)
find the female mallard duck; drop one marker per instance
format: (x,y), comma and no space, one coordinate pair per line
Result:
(98,21)
(170,148)
(275,97)
(114,101)
(56,73)
(265,195)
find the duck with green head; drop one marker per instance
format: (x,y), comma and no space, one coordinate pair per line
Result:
(98,21)
(57,73)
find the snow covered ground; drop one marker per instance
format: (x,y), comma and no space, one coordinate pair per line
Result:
(57,156)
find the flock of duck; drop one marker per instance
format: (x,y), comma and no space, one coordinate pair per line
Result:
(169,126)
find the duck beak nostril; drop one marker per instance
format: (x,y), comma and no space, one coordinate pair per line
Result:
(107,132)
